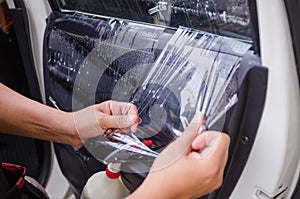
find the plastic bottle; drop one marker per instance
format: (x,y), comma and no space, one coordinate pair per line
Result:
(105,184)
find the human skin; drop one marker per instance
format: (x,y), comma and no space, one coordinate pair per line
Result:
(181,172)
(178,172)
(26,117)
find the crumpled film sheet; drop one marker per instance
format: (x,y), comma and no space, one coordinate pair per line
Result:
(195,71)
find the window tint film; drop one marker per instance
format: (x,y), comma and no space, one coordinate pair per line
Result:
(223,17)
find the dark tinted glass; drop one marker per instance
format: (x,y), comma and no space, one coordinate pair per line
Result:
(223,17)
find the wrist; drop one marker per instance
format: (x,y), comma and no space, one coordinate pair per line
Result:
(70,127)
(153,187)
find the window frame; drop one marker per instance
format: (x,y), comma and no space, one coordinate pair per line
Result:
(293,14)
(54,4)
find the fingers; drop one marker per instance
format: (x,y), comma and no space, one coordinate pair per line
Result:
(181,146)
(117,115)
(217,159)
(118,121)
(221,149)
(191,131)
(94,120)
(206,142)
(111,107)
(213,163)
(216,145)
(195,124)
(199,142)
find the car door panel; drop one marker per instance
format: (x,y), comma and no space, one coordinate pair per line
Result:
(69,41)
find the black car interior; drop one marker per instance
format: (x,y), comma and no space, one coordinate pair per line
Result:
(18,73)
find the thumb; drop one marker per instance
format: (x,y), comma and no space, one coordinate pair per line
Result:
(181,146)
(184,142)
(191,131)
(118,121)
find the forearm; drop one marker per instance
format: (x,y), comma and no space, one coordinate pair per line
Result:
(154,188)
(25,117)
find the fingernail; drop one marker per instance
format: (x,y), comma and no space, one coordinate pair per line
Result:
(140,120)
(202,128)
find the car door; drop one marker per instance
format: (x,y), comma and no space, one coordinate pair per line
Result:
(72,32)
(264,175)
(19,74)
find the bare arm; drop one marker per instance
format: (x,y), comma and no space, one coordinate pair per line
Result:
(22,116)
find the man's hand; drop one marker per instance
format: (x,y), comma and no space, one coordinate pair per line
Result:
(95,120)
(181,172)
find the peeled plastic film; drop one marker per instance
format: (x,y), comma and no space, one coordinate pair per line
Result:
(194,71)
(170,75)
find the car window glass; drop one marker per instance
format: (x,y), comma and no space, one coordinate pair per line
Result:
(223,17)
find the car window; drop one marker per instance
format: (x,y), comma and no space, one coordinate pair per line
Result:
(224,17)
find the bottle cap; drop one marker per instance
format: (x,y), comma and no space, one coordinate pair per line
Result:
(113,170)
